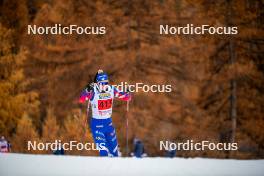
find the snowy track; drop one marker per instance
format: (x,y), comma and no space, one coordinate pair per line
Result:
(48,165)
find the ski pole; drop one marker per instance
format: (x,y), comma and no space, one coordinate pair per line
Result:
(127,109)
(87,112)
(85,123)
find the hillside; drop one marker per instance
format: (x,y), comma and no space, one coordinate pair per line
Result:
(217,80)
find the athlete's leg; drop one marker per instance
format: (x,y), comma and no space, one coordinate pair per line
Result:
(99,137)
(111,140)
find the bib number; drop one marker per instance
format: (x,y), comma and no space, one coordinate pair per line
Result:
(104,104)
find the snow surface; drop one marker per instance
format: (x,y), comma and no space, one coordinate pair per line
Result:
(47,165)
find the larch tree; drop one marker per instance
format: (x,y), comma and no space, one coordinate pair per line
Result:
(231,92)
(26,137)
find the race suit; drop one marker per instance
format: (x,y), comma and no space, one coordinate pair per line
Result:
(101,125)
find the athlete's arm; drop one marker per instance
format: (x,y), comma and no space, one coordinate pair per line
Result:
(125,96)
(86,94)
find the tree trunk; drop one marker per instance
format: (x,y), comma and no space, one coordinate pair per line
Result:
(233,96)
(233,85)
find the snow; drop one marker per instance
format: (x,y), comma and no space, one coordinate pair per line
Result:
(48,165)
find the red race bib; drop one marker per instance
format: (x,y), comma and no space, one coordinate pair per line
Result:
(104,104)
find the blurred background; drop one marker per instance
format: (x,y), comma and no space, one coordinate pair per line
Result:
(217,80)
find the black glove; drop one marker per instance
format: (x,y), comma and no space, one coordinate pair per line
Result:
(89,87)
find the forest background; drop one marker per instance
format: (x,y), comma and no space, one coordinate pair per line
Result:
(217,80)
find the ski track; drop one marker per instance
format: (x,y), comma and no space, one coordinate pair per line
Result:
(51,165)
